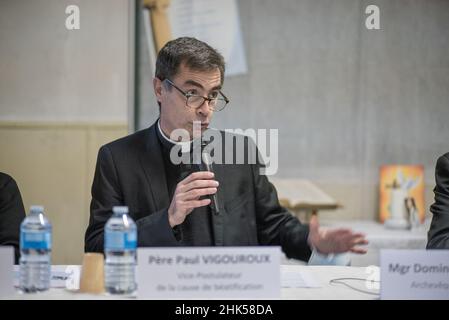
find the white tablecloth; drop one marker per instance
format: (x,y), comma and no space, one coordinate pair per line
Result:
(322,274)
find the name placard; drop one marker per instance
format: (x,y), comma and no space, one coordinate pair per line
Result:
(6,271)
(414,274)
(208,273)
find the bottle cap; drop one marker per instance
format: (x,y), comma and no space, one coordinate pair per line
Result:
(120,209)
(36,209)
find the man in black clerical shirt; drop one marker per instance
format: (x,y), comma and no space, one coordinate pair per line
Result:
(171,202)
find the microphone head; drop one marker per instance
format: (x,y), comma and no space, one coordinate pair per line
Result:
(204,143)
(205,156)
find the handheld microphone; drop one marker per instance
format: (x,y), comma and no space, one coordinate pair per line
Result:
(207,166)
(186,169)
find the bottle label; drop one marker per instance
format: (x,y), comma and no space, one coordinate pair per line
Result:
(35,240)
(120,240)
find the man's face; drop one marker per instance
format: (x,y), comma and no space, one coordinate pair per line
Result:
(174,112)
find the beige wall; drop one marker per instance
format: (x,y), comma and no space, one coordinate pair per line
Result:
(49,73)
(53,164)
(63,93)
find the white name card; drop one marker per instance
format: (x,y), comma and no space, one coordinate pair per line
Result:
(208,273)
(414,274)
(6,271)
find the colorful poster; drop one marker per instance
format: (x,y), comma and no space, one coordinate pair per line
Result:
(402,196)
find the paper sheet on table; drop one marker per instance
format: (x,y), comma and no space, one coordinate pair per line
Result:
(61,276)
(298,279)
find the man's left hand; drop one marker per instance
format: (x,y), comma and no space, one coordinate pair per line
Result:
(339,240)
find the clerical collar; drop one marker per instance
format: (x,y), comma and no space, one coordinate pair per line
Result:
(185,145)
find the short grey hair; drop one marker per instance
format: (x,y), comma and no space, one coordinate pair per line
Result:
(195,54)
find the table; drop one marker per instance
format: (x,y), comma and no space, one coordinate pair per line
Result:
(331,291)
(322,274)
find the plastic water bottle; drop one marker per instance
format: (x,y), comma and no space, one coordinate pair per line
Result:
(35,251)
(120,242)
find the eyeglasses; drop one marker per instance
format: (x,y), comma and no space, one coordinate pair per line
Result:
(216,103)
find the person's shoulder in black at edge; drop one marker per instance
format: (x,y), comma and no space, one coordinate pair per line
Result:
(12,212)
(438,235)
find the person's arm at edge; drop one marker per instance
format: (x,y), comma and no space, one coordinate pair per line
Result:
(438,235)
(152,230)
(12,215)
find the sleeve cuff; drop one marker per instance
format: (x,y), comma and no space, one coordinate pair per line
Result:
(332,259)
